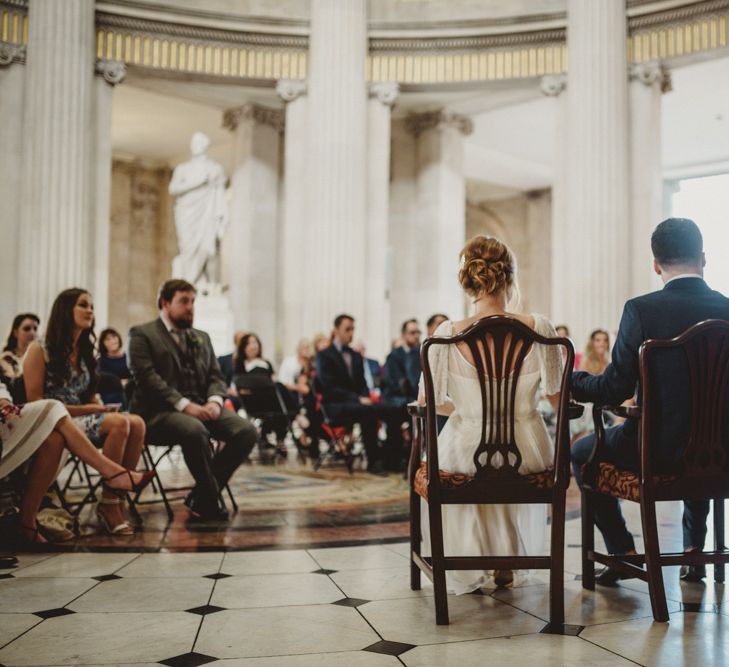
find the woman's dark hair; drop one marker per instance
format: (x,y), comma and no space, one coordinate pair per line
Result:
(677,241)
(240,359)
(107,333)
(59,342)
(12,342)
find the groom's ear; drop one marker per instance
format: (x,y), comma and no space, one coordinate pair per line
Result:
(656,267)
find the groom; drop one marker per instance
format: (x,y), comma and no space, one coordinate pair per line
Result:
(684,301)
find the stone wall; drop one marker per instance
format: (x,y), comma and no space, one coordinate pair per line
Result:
(142,242)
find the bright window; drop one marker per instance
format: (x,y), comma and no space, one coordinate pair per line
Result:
(706,201)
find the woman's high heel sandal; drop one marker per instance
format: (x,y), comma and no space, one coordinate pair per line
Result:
(504,578)
(123,528)
(136,488)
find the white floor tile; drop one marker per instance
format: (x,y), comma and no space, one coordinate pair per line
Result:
(78,565)
(31,595)
(358,558)
(274,590)
(349,658)
(241,633)
(103,639)
(268,562)
(14,625)
(383,584)
(173,565)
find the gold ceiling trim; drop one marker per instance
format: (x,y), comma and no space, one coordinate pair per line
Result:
(229,54)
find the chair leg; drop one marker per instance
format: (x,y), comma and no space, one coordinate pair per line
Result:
(652,560)
(232,498)
(437,551)
(556,570)
(588,541)
(719,543)
(415,539)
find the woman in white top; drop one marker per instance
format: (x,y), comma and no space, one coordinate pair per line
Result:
(488,276)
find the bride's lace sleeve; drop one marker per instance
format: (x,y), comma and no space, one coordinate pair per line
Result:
(551,362)
(438,360)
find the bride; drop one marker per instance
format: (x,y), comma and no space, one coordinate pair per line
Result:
(488,276)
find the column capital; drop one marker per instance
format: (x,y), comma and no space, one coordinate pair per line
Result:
(552,85)
(417,123)
(386,92)
(11,53)
(651,72)
(255,112)
(113,71)
(290,89)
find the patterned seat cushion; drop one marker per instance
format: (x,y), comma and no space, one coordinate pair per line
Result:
(452,480)
(612,481)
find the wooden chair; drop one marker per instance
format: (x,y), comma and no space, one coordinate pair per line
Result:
(702,473)
(499,346)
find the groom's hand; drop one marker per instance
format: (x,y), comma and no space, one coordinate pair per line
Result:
(197,411)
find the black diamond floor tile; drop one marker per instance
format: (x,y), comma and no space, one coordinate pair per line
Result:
(205,609)
(323,571)
(389,648)
(350,602)
(52,613)
(107,577)
(564,629)
(188,660)
(698,607)
(217,575)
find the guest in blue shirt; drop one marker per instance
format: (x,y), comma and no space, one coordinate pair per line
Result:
(402,367)
(112,364)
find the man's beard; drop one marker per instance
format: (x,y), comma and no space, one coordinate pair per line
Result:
(182,324)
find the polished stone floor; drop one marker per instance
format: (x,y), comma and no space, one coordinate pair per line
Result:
(335,606)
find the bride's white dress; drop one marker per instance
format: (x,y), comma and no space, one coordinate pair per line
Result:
(496,530)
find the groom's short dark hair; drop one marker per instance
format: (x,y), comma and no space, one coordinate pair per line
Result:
(677,241)
(170,287)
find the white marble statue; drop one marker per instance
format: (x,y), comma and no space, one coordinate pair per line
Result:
(201,213)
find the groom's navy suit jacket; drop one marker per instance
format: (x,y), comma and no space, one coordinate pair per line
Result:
(667,313)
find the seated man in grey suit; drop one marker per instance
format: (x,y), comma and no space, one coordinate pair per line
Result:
(179,392)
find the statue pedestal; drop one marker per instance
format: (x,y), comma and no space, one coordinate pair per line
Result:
(214,316)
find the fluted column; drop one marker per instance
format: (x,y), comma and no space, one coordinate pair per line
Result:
(377,325)
(337,174)
(293,262)
(594,280)
(12,84)
(252,239)
(648,81)
(55,243)
(440,214)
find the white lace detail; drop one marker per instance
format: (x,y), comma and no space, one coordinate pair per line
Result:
(551,362)
(438,359)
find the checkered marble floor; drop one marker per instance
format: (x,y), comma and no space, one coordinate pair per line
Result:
(336,606)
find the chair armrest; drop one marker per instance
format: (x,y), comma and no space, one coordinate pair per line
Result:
(574,410)
(416,410)
(625,411)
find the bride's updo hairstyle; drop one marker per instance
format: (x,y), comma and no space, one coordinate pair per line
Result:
(487,267)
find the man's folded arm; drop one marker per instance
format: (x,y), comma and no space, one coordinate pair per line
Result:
(618,381)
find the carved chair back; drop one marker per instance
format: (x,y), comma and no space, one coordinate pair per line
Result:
(497,348)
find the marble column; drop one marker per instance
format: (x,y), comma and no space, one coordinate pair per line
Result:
(377,326)
(337,173)
(292,258)
(440,212)
(253,236)
(595,278)
(648,81)
(55,246)
(12,85)
(109,74)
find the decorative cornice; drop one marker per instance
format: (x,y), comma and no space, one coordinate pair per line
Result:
(11,53)
(237,37)
(385,92)
(417,123)
(258,114)
(469,43)
(553,84)
(290,89)
(113,71)
(15,5)
(688,11)
(650,73)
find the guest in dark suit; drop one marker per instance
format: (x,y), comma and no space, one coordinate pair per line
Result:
(340,371)
(402,367)
(684,301)
(179,391)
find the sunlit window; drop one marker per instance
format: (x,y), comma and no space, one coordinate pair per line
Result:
(706,201)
